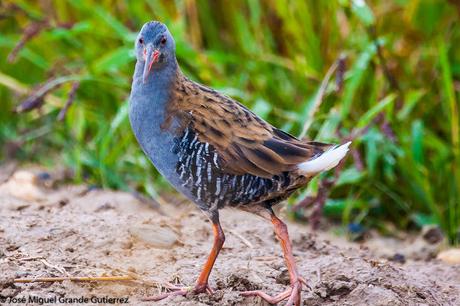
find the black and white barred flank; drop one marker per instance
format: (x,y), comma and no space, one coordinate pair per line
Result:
(200,171)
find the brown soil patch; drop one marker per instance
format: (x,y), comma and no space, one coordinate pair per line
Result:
(74,231)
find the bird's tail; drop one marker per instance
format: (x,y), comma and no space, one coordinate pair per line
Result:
(326,161)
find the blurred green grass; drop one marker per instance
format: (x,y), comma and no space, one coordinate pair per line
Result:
(398,98)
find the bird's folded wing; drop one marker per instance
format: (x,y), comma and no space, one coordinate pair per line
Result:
(244,142)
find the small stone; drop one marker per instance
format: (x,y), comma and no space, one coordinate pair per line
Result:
(20,274)
(12,247)
(44,176)
(432,234)
(24,176)
(451,256)
(8,292)
(104,207)
(23,185)
(126,245)
(283,277)
(154,235)
(398,257)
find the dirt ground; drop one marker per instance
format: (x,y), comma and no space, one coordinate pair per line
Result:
(80,231)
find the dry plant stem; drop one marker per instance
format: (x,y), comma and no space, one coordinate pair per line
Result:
(392,81)
(36,99)
(340,74)
(20,88)
(319,97)
(30,31)
(242,238)
(69,102)
(320,200)
(59,269)
(74,279)
(325,185)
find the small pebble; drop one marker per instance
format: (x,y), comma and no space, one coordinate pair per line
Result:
(398,257)
(451,256)
(44,176)
(127,245)
(154,235)
(432,234)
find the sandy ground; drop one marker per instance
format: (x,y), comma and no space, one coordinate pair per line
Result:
(76,231)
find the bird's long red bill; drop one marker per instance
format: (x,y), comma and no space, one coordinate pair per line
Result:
(151,56)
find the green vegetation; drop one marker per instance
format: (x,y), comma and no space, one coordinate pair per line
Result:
(394,90)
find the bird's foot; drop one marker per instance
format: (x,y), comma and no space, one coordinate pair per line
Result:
(177,290)
(292,294)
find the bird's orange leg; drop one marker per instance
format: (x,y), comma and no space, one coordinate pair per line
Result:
(293,293)
(219,239)
(201,285)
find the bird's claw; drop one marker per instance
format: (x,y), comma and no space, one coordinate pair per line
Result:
(292,294)
(177,290)
(304,282)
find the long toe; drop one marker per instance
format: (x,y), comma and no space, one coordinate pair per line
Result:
(162,296)
(270,299)
(175,290)
(292,295)
(202,289)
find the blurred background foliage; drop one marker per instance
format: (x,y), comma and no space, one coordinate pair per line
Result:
(385,74)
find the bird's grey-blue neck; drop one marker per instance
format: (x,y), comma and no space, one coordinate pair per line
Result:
(158,79)
(148,98)
(148,103)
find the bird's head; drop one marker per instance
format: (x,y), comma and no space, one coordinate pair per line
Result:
(155,47)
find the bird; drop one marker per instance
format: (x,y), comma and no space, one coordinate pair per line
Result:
(217,152)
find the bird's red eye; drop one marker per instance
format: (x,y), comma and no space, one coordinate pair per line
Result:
(141,41)
(163,40)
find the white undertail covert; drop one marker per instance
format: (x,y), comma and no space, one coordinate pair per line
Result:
(325,161)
